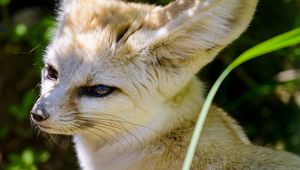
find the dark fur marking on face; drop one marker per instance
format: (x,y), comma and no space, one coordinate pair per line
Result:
(72,100)
(84,124)
(73,104)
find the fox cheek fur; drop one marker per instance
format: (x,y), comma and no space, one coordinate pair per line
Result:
(121,79)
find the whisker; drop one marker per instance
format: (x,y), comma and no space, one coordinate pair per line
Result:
(112,124)
(80,129)
(108,123)
(116,119)
(33,49)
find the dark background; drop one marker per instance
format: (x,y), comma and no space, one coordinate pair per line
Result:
(263,94)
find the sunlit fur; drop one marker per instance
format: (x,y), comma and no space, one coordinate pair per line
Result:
(151,55)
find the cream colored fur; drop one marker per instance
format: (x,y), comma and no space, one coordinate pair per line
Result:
(151,54)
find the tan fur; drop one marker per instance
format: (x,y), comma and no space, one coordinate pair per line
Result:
(151,55)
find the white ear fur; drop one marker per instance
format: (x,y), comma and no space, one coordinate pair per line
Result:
(198,33)
(179,39)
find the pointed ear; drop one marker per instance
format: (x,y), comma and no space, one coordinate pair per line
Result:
(191,32)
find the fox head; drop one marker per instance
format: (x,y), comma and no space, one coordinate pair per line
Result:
(113,67)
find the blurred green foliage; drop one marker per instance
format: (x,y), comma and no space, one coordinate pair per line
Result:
(27,159)
(263,95)
(4,2)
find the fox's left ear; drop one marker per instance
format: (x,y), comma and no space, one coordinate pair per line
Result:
(192,32)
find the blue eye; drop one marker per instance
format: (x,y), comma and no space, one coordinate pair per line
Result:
(97,90)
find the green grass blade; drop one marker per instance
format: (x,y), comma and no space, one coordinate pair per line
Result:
(281,41)
(276,43)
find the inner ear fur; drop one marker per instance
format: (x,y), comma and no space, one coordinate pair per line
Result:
(194,31)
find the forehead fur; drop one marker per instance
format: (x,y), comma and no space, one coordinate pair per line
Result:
(115,15)
(97,15)
(96,25)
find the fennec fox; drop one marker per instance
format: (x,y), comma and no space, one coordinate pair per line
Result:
(120,78)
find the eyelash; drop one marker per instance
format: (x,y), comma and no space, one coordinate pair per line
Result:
(51,73)
(96,90)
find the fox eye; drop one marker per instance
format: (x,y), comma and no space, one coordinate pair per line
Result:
(97,91)
(51,73)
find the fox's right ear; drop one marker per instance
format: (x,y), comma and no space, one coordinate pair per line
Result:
(189,33)
(177,40)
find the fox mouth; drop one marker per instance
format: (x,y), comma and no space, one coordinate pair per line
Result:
(42,127)
(52,130)
(47,129)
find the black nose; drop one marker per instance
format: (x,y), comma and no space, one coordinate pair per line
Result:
(39,115)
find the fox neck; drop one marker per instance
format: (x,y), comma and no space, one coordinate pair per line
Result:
(95,152)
